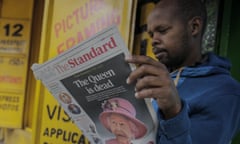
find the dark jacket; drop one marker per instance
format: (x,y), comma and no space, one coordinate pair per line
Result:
(211,105)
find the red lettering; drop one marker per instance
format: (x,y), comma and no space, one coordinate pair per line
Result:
(72,63)
(11,79)
(70,42)
(60,48)
(69,24)
(93,52)
(84,12)
(64,25)
(76,15)
(57,28)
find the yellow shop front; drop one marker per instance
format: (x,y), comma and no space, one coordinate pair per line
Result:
(33,32)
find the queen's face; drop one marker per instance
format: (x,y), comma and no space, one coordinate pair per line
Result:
(120,126)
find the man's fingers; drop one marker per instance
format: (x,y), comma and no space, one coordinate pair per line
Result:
(148,82)
(146,70)
(140,60)
(146,66)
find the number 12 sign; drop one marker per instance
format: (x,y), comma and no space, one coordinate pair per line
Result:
(14,35)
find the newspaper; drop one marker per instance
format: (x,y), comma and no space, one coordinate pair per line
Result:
(89,82)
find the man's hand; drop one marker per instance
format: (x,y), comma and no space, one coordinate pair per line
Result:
(153,81)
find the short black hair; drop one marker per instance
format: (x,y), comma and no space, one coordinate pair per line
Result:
(187,9)
(191,8)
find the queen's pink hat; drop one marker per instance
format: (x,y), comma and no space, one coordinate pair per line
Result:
(125,108)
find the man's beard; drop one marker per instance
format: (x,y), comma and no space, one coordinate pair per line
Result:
(175,61)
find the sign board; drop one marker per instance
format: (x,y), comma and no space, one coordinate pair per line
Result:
(14,49)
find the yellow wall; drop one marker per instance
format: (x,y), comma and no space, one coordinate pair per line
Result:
(53,27)
(15,34)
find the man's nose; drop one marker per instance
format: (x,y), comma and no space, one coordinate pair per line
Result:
(156,39)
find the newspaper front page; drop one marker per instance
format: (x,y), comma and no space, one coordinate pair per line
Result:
(89,82)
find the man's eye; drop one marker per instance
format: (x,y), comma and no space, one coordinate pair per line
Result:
(162,31)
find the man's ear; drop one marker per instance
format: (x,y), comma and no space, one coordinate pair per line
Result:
(196,26)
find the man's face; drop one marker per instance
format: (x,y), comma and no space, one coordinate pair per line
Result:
(170,37)
(119,126)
